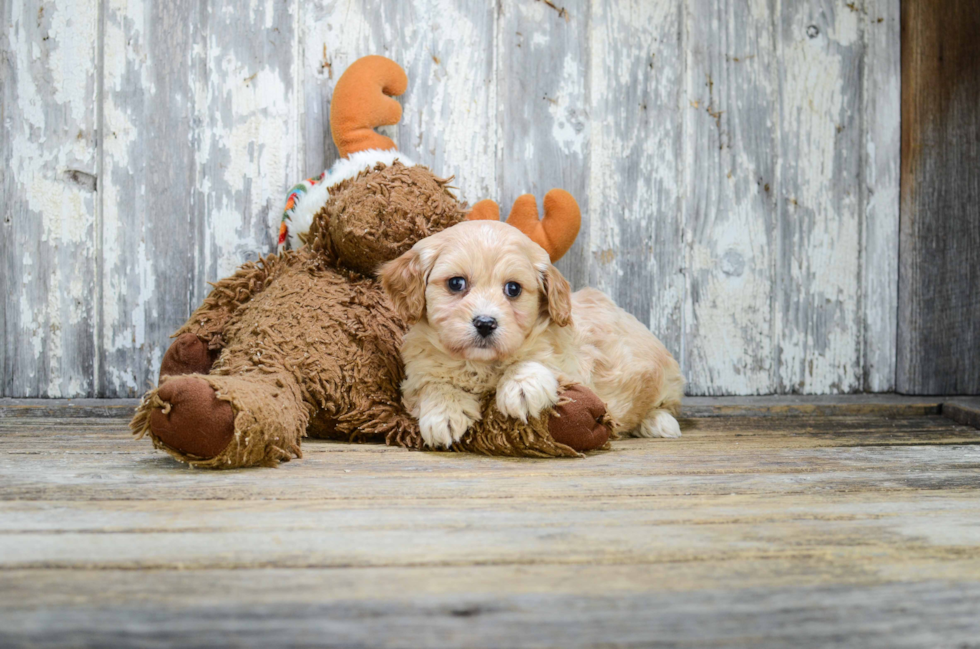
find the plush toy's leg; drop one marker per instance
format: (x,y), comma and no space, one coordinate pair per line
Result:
(217,421)
(228,295)
(188,354)
(193,420)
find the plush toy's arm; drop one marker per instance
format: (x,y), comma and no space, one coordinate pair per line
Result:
(577,423)
(209,320)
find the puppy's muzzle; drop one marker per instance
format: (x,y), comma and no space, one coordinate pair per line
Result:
(485,325)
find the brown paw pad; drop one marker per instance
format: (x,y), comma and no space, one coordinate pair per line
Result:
(188,354)
(196,423)
(578,423)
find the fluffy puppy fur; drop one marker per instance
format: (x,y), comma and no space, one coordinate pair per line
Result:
(473,332)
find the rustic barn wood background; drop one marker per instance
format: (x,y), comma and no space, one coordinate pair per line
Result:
(737,162)
(939,276)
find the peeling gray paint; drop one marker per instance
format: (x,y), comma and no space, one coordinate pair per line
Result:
(48,98)
(736,161)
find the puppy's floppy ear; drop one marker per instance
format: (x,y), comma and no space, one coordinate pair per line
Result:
(559,296)
(403,279)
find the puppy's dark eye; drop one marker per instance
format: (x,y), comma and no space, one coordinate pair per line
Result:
(512,289)
(456,284)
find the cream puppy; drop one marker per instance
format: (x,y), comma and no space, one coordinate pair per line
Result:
(490,312)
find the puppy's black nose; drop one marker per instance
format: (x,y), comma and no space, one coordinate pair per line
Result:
(484,325)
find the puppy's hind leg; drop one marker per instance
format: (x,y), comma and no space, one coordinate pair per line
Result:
(659,422)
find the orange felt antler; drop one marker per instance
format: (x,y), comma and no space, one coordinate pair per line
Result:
(555,233)
(362,100)
(485,210)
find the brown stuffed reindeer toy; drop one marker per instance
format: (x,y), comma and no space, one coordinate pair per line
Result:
(305,342)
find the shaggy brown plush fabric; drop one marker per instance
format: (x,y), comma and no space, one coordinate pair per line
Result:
(377,216)
(309,343)
(319,340)
(581,429)
(264,432)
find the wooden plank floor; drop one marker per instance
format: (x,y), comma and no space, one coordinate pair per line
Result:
(784,530)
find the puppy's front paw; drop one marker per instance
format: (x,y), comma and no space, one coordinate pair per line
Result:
(527,390)
(441,427)
(659,424)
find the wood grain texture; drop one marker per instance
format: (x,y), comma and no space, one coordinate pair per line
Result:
(303,608)
(98,460)
(636,162)
(881,21)
(965,410)
(817,252)
(49,177)
(249,137)
(449,109)
(193,184)
(736,162)
(543,111)
(730,211)
(150,185)
(883,405)
(776,531)
(939,305)
(108,408)
(207,535)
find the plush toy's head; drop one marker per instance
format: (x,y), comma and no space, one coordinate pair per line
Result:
(374,204)
(381,213)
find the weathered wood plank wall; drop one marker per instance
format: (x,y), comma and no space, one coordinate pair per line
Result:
(49,247)
(939,287)
(736,160)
